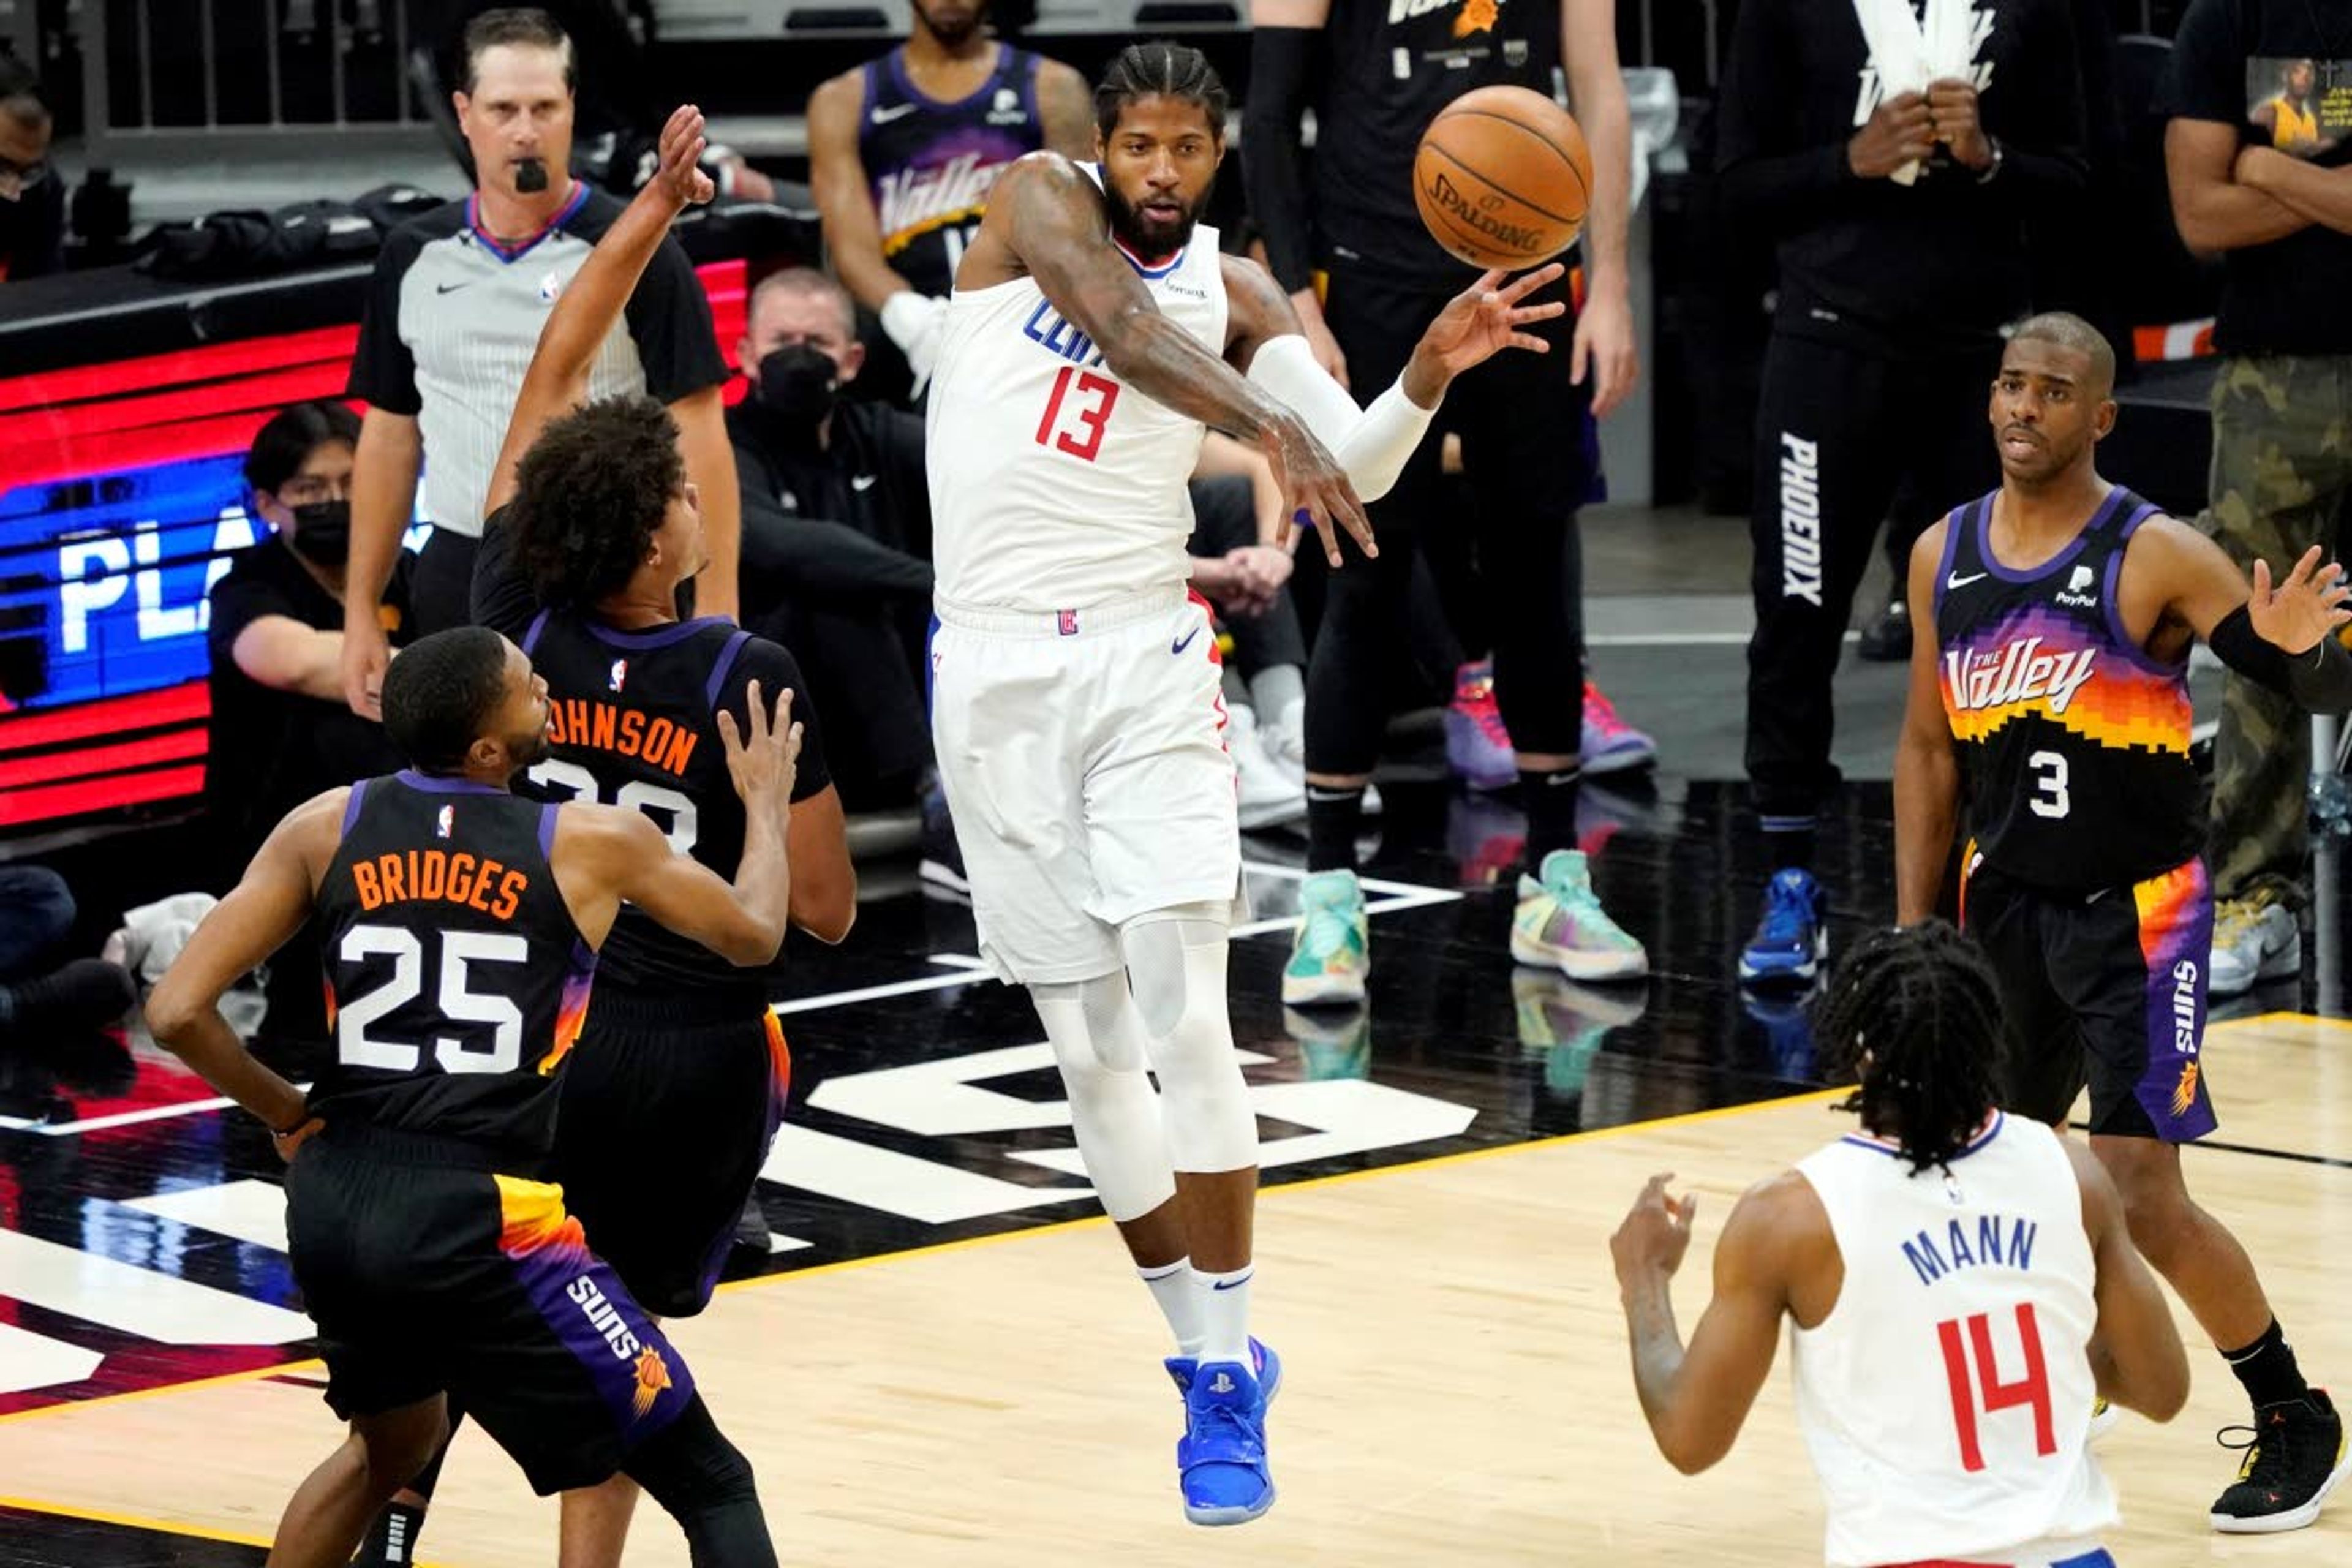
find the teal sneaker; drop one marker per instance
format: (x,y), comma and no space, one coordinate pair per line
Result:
(1331,954)
(1561,925)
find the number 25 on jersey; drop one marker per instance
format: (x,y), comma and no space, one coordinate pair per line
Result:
(1076,414)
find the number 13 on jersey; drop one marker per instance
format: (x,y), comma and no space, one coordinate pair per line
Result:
(1075,424)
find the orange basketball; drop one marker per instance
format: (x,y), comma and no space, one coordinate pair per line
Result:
(1503,178)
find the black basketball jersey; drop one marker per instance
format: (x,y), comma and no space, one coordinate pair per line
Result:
(634,722)
(1394,65)
(2074,739)
(455,978)
(930,164)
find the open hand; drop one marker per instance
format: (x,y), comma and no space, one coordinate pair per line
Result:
(1485,318)
(1655,1234)
(679,176)
(1316,492)
(2305,608)
(1604,345)
(764,762)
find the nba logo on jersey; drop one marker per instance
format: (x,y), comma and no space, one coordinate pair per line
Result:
(551,286)
(447,820)
(620,674)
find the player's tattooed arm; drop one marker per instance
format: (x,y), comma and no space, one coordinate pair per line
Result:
(265,907)
(1696,1399)
(1049,221)
(557,381)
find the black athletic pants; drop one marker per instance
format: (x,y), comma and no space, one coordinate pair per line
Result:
(1838,429)
(1522,443)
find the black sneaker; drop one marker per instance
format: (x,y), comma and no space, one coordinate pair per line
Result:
(1887,639)
(942,862)
(2294,1457)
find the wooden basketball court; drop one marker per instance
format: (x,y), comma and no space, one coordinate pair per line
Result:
(1457,1385)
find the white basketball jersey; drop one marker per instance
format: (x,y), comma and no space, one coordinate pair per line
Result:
(1054,484)
(1946,1398)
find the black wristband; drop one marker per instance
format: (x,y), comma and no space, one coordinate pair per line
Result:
(2321,679)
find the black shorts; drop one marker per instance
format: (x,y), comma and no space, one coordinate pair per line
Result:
(427,1272)
(2105,988)
(665,1119)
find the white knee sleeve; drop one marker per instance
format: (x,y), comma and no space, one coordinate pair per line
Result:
(1098,1043)
(1176,959)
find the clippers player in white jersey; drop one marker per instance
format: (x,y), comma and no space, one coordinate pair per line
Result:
(1960,1283)
(1095,336)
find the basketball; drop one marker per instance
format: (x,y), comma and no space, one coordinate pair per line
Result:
(1503,178)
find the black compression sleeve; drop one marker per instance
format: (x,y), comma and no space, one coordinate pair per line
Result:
(2319,678)
(1273,168)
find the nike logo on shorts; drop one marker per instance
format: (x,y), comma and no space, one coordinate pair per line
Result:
(1181,647)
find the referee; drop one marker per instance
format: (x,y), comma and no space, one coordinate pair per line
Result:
(455,313)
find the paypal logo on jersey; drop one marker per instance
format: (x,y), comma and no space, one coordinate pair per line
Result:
(1046,328)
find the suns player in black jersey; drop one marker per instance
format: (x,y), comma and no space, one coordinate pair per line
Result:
(2053,622)
(903,150)
(462,924)
(676,1090)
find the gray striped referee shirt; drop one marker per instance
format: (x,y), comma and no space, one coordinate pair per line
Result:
(454,316)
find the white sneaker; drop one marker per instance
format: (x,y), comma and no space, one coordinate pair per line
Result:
(2255,940)
(1284,736)
(1269,795)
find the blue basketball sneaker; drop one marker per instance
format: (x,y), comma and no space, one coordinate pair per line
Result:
(1791,940)
(1268,1364)
(1221,1460)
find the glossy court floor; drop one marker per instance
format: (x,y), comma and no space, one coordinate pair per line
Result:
(940,1358)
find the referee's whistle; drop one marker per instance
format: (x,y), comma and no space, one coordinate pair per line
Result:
(530,176)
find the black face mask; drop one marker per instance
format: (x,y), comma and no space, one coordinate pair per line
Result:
(798,383)
(323,531)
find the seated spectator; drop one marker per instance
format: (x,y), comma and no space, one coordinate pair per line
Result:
(1246,580)
(51,1012)
(281,731)
(32,198)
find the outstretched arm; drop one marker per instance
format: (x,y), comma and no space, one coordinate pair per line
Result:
(2282,635)
(1051,220)
(1696,1399)
(557,381)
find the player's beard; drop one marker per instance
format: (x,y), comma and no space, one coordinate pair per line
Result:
(1148,237)
(954,29)
(528,750)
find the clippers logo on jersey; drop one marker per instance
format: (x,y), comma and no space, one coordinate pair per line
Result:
(2040,663)
(620,676)
(1047,329)
(445,822)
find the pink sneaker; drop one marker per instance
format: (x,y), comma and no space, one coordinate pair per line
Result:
(1610,744)
(1477,747)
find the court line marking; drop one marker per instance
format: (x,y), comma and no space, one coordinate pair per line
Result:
(961,969)
(1687,1119)
(136,1522)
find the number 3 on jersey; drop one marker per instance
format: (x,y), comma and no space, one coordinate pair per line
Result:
(1985,1391)
(1097,395)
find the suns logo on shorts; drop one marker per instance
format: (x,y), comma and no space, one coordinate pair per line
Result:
(2184,1093)
(653,1376)
(445,822)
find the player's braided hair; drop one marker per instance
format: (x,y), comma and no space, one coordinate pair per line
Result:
(1914,1018)
(1160,70)
(590,493)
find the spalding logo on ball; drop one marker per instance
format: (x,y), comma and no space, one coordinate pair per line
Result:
(1503,178)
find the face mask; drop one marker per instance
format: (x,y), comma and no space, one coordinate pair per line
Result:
(323,531)
(797,384)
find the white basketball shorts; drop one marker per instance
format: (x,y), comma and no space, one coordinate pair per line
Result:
(1083,759)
